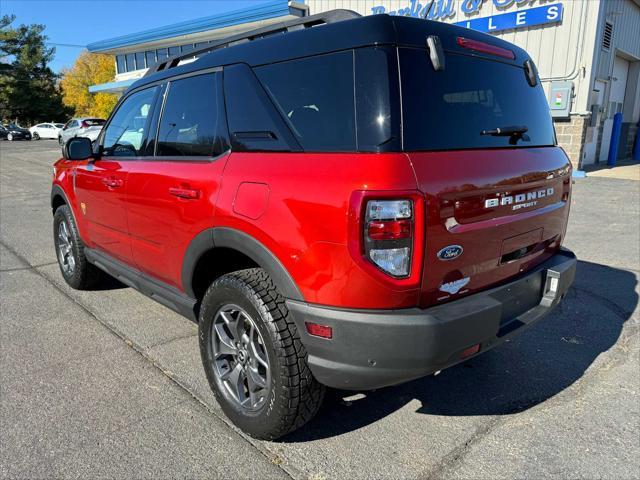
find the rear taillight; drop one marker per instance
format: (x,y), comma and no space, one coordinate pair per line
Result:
(388,235)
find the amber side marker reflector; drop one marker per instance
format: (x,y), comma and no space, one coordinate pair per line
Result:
(317,330)
(470,351)
(483,47)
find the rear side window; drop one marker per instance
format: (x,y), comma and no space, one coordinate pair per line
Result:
(315,96)
(192,122)
(449,109)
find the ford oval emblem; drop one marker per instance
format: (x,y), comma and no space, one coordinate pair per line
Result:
(451,252)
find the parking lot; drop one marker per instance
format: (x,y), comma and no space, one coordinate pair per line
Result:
(109,383)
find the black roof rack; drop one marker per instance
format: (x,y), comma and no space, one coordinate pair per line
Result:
(277,28)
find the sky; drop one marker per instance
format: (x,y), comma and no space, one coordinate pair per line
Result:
(72,24)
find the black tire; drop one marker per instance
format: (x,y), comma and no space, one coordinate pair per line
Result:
(83,276)
(293,396)
(36,136)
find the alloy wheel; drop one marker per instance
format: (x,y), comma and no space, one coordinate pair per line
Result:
(240,359)
(65,249)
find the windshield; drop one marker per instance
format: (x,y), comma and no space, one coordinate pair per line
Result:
(473,103)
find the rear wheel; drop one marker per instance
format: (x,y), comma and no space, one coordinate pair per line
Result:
(75,268)
(252,355)
(10,137)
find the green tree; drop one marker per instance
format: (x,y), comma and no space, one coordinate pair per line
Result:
(29,90)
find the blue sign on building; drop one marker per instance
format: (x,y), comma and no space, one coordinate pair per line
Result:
(445,9)
(519,19)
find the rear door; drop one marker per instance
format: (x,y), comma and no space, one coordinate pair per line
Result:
(497,202)
(101,184)
(172,194)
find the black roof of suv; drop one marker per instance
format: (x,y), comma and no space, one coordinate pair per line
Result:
(332,37)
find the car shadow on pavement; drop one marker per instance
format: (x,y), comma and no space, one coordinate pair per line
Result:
(108,283)
(521,373)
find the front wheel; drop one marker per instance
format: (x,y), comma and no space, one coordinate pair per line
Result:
(75,269)
(253,357)
(36,136)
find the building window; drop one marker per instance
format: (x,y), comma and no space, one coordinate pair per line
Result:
(151,58)
(607,36)
(162,54)
(140,60)
(131,62)
(121,64)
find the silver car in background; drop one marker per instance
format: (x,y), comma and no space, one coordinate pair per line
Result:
(81,127)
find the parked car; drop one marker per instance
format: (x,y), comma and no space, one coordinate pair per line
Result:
(15,132)
(354,205)
(81,127)
(45,130)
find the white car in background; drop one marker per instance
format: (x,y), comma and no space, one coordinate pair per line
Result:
(46,130)
(81,127)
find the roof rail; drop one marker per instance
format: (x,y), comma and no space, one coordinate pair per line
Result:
(332,16)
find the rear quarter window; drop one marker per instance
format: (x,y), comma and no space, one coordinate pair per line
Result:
(448,110)
(315,97)
(340,102)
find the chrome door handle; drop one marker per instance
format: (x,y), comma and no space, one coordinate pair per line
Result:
(112,182)
(186,193)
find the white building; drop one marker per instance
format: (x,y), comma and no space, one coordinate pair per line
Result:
(587,53)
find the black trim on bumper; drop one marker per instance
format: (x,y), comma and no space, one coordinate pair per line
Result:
(376,348)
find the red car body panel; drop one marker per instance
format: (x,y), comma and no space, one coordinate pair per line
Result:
(458,183)
(169,203)
(306,222)
(100,190)
(306,209)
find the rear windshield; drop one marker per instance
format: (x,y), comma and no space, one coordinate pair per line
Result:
(93,122)
(449,109)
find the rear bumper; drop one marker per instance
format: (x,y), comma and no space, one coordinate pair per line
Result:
(376,348)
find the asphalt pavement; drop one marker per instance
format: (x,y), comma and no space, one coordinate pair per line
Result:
(109,384)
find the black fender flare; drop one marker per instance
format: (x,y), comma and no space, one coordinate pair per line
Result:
(57,191)
(235,239)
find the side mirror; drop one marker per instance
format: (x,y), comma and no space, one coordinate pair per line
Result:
(78,148)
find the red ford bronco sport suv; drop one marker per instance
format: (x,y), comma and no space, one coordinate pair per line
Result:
(353,205)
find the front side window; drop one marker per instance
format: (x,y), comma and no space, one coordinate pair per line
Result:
(315,96)
(192,122)
(125,133)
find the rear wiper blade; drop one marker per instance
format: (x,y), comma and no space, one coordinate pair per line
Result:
(515,130)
